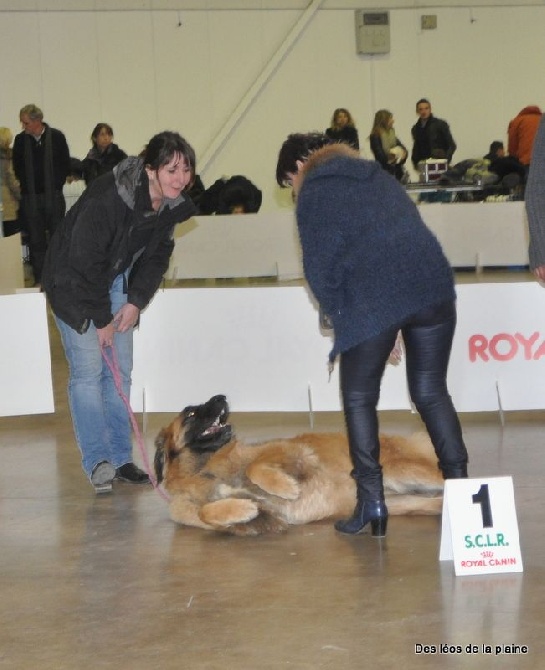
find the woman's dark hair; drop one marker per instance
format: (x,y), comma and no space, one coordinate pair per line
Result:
(163,147)
(297,147)
(98,128)
(495,146)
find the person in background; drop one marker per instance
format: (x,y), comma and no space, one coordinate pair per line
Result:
(386,147)
(431,136)
(535,204)
(509,169)
(343,128)
(495,151)
(11,191)
(41,162)
(104,155)
(196,190)
(521,133)
(231,195)
(375,269)
(102,268)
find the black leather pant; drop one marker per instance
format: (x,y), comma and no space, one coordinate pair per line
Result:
(428,340)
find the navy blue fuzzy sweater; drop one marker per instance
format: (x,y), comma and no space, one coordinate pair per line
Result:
(368,256)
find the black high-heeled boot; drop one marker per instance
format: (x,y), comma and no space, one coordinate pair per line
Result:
(374,512)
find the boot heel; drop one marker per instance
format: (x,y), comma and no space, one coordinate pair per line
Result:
(373,512)
(378,526)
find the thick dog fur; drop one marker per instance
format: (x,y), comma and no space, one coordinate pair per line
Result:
(219,483)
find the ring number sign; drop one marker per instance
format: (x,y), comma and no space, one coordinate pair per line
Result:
(479,526)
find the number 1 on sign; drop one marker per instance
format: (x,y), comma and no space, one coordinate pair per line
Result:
(482,498)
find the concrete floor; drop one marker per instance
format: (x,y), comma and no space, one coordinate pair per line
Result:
(111,582)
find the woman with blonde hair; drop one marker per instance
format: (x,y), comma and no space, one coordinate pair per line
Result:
(11,192)
(386,148)
(343,128)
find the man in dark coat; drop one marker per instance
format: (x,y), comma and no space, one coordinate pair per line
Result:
(431,136)
(41,162)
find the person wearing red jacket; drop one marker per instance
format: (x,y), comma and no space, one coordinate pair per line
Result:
(521,133)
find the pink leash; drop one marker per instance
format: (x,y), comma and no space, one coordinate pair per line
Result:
(113,364)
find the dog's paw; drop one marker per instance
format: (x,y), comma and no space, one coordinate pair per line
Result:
(264,524)
(273,480)
(229,511)
(185,512)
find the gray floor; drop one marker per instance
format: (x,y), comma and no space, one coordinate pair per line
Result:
(111,582)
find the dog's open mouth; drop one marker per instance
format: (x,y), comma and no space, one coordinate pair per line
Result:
(219,424)
(206,427)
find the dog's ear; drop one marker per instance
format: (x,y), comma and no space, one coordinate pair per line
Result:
(166,449)
(161,439)
(159,460)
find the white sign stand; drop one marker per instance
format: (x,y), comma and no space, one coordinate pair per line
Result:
(479,527)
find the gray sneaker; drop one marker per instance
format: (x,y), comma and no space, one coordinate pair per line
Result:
(102,477)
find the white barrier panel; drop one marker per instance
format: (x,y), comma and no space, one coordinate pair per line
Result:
(498,357)
(480,234)
(263,349)
(259,346)
(245,245)
(12,276)
(256,245)
(25,359)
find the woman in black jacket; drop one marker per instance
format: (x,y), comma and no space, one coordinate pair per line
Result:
(103,266)
(343,128)
(104,155)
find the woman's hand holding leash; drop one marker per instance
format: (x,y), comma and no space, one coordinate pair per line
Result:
(125,319)
(106,335)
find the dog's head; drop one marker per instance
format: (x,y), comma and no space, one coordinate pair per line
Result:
(199,429)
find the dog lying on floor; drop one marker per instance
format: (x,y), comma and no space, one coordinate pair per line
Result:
(216,482)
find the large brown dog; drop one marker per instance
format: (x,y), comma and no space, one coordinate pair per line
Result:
(219,483)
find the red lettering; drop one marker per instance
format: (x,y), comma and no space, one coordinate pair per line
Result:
(527,344)
(503,337)
(540,351)
(504,347)
(477,347)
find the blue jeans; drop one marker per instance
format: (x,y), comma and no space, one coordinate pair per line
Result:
(427,338)
(101,422)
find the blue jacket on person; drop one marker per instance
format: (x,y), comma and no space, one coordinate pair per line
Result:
(368,256)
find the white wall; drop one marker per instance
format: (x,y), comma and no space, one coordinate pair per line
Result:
(148,65)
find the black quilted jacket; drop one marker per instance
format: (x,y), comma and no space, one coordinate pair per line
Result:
(110,226)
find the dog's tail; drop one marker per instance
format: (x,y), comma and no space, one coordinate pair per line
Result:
(414,504)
